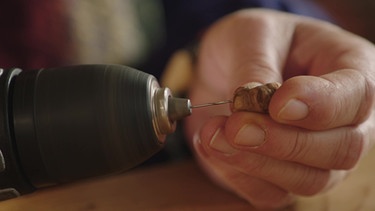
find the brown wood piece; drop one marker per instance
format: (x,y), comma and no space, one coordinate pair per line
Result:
(254,97)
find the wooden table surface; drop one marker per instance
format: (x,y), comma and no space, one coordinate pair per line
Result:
(182,186)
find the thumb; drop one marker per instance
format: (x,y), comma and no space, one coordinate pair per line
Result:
(336,99)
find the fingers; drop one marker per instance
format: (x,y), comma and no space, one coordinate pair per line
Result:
(339,148)
(322,113)
(339,90)
(278,46)
(290,176)
(340,98)
(260,193)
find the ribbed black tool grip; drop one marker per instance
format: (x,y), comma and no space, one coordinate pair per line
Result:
(82,121)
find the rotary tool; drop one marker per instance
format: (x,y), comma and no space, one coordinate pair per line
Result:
(59,125)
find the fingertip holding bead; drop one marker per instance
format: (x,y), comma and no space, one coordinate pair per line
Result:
(294,110)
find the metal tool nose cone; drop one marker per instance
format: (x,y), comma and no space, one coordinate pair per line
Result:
(178,108)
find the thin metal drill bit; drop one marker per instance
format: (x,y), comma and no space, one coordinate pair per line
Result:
(211,104)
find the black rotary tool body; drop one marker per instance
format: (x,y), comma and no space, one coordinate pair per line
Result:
(59,125)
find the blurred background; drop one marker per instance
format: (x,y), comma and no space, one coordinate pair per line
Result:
(139,33)
(357,16)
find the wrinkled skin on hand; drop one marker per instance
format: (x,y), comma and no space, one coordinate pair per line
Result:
(321,119)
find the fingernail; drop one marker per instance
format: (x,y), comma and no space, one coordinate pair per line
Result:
(250,135)
(219,143)
(294,110)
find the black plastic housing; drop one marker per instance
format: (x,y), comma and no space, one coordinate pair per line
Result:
(77,122)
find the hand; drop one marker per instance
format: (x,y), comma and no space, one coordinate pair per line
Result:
(322,118)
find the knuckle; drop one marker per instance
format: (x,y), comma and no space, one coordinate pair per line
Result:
(296,151)
(333,116)
(311,182)
(329,118)
(367,102)
(257,164)
(341,111)
(348,153)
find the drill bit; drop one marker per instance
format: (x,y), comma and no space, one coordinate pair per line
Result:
(211,104)
(179,108)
